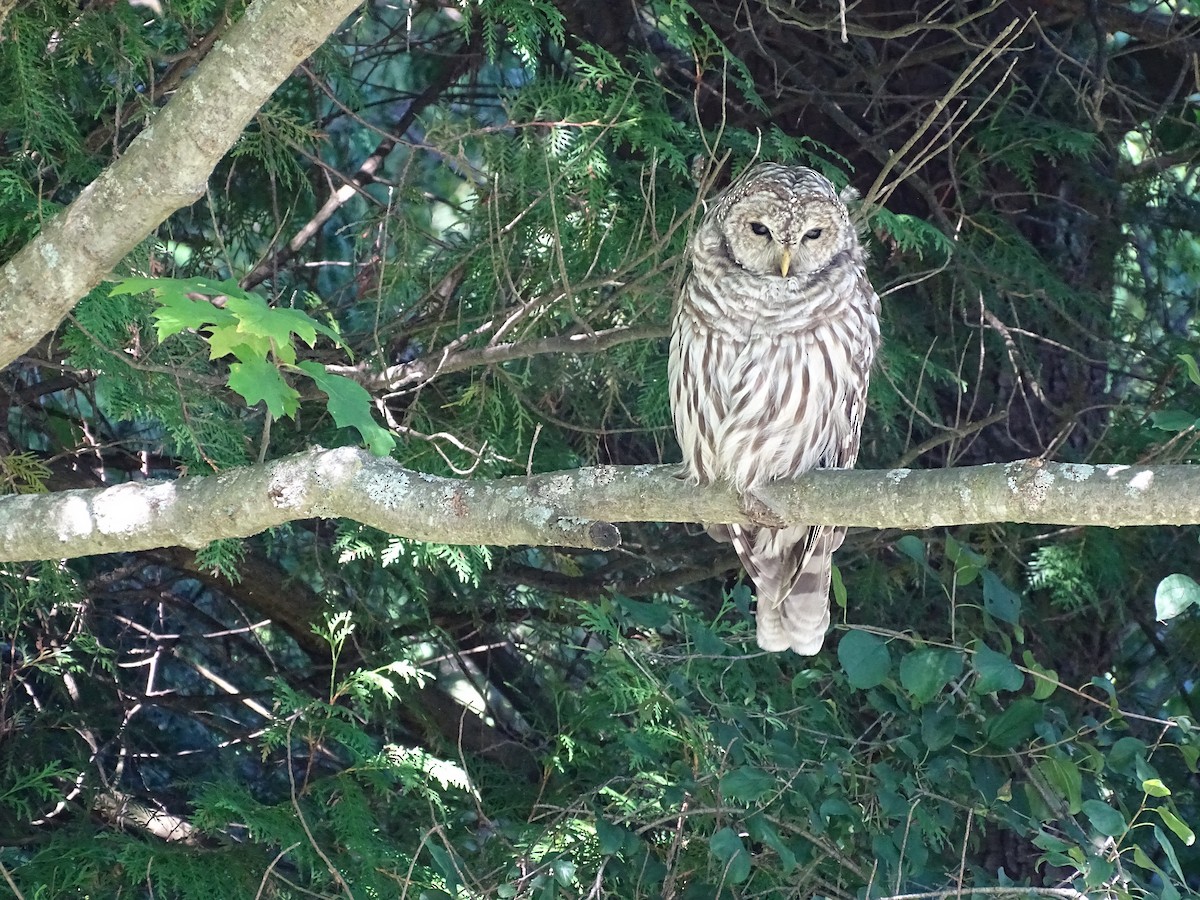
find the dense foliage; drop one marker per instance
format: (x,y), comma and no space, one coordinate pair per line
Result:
(455,235)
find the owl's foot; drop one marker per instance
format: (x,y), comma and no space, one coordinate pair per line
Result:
(761,511)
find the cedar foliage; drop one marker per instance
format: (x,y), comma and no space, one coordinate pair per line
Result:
(329,711)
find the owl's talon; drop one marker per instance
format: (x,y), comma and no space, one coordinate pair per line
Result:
(760,511)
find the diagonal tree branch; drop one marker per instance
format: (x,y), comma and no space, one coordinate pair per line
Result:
(575,508)
(165,168)
(450,73)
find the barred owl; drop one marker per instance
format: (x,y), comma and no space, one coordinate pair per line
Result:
(771,350)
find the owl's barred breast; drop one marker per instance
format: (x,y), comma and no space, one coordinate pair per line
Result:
(786,387)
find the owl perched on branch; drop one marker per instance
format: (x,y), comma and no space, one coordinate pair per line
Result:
(771,351)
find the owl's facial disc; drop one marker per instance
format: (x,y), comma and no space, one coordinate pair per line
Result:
(779,237)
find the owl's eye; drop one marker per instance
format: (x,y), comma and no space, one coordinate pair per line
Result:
(760,229)
(812,234)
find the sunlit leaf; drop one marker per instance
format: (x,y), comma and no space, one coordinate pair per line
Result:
(1174,594)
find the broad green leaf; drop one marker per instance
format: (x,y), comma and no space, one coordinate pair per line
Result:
(278,323)
(351,407)
(865,659)
(1014,725)
(761,830)
(1173,419)
(924,672)
(610,836)
(645,615)
(746,784)
(260,381)
(175,287)
(226,340)
(1177,825)
(1106,820)
(177,313)
(1123,754)
(1190,754)
(995,671)
(937,728)
(1061,775)
(999,600)
(727,847)
(1174,594)
(1057,850)
(912,547)
(966,574)
(707,641)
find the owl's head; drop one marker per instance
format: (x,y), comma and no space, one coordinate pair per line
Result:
(783,220)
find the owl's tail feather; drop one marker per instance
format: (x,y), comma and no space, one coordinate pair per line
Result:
(792,569)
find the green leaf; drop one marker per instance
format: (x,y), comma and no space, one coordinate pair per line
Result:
(746,784)
(1173,419)
(865,659)
(1014,725)
(276,323)
(1169,851)
(839,587)
(1061,775)
(645,615)
(1123,754)
(1174,594)
(1177,825)
(1106,820)
(1193,371)
(1189,361)
(912,547)
(727,847)
(178,313)
(761,830)
(611,836)
(924,673)
(995,671)
(257,381)
(351,407)
(707,641)
(1042,687)
(226,340)
(937,728)
(999,600)
(444,863)
(1155,788)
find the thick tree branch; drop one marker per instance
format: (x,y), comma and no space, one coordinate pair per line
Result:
(165,168)
(575,508)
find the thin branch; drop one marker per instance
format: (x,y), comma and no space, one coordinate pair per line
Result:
(425,369)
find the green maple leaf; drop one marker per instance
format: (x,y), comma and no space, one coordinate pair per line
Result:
(350,405)
(259,381)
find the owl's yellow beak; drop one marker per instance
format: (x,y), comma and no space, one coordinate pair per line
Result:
(785,262)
